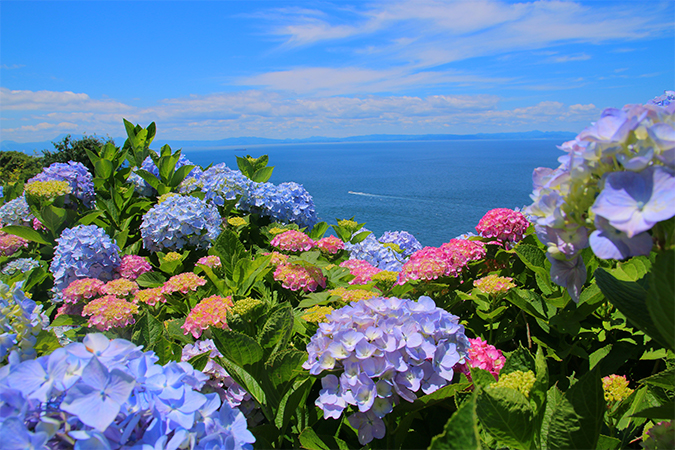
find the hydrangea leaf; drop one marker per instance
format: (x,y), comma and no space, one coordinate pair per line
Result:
(26,233)
(661,294)
(310,440)
(506,414)
(461,430)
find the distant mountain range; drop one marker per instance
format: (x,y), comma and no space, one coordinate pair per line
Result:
(562,136)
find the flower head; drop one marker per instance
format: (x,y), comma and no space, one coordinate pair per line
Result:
(183,282)
(484,356)
(615,388)
(292,241)
(494,284)
(211,311)
(330,245)
(361,270)
(75,174)
(133,266)
(82,289)
(121,287)
(48,189)
(10,244)
(518,380)
(503,224)
(16,212)
(296,277)
(211,261)
(150,296)
(109,312)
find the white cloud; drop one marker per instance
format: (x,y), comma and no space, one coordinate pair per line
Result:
(568,58)
(55,101)
(265,114)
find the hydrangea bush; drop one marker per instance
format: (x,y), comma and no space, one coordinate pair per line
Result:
(224,291)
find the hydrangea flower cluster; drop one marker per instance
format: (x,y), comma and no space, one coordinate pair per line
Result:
(352,295)
(385,349)
(16,212)
(293,241)
(296,277)
(317,314)
(362,271)
(286,203)
(612,187)
(484,356)
(109,312)
(615,388)
(449,259)
(503,224)
(183,282)
(211,261)
(82,290)
(405,241)
(120,287)
(75,174)
(330,245)
(376,253)
(219,183)
(236,221)
(219,380)
(209,312)
(150,296)
(178,222)
(84,251)
(20,323)
(494,284)
(518,380)
(277,258)
(57,399)
(133,266)
(48,190)
(21,265)
(10,244)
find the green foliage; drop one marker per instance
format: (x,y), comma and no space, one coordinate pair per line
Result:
(78,150)
(18,167)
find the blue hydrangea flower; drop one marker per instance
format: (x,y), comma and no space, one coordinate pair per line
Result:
(84,251)
(287,203)
(76,174)
(382,350)
(569,273)
(178,222)
(376,253)
(16,212)
(406,241)
(609,243)
(219,183)
(665,99)
(109,394)
(21,320)
(21,265)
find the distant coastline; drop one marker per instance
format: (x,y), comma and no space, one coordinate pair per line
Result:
(30,147)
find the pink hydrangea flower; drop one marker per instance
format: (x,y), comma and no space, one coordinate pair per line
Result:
(503,224)
(426,264)
(183,282)
(494,284)
(109,312)
(83,289)
(330,245)
(211,261)
(211,311)
(471,250)
(120,287)
(293,241)
(296,277)
(133,266)
(150,296)
(10,244)
(277,258)
(484,356)
(362,270)
(37,225)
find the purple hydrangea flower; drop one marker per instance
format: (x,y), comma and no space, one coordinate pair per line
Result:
(609,243)
(634,202)
(406,241)
(376,253)
(16,212)
(219,183)
(570,274)
(286,203)
(84,251)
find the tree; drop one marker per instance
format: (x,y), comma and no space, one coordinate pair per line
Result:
(68,149)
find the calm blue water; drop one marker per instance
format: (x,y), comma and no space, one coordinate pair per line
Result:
(435,190)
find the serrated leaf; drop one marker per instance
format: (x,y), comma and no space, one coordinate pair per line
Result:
(150,279)
(507,415)
(147,331)
(290,401)
(237,347)
(461,430)
(310,440)
(608,443)
(519,359)
(277,328)
(199,361)
(662,412)
(46,342)
(27,233)
(665,379)
(104,168)
(285,365)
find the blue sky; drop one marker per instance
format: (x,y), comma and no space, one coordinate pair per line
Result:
(294,69)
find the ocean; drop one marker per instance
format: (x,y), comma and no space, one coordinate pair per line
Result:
(436,190)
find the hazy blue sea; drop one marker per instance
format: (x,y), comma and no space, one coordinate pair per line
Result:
(435,190)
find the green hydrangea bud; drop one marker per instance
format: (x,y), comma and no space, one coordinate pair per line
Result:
(518,380)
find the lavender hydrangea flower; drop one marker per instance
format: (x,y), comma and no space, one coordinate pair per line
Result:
(570,274)
(609,243)
(76,174)
(84,251)
(108,394)
(178,222)
(376,253)
(21,320)
(634,202)
(382,350)
(219,183)
(21,265)
(287,203)
(16,212)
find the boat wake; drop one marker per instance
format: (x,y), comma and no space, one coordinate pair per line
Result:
(365,194)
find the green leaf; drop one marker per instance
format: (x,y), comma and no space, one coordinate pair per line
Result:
(359,237)
(237,347)
(26,233)
(147,331)
(104,168)
(65,320)
(311,441)
(663,412)
(608,443)
(199,361)
(631,299)
(519,359)
(245,166)
(661,295)
(46,342)
(290,401)
(318,231)
(262,175)
(286,365)
(461,430)
(173,330)
(167,351)
(277,329)
(180,175)
(665,379)
(577,418)
(151,179)
(150,279)
(247,381)
(506,414)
